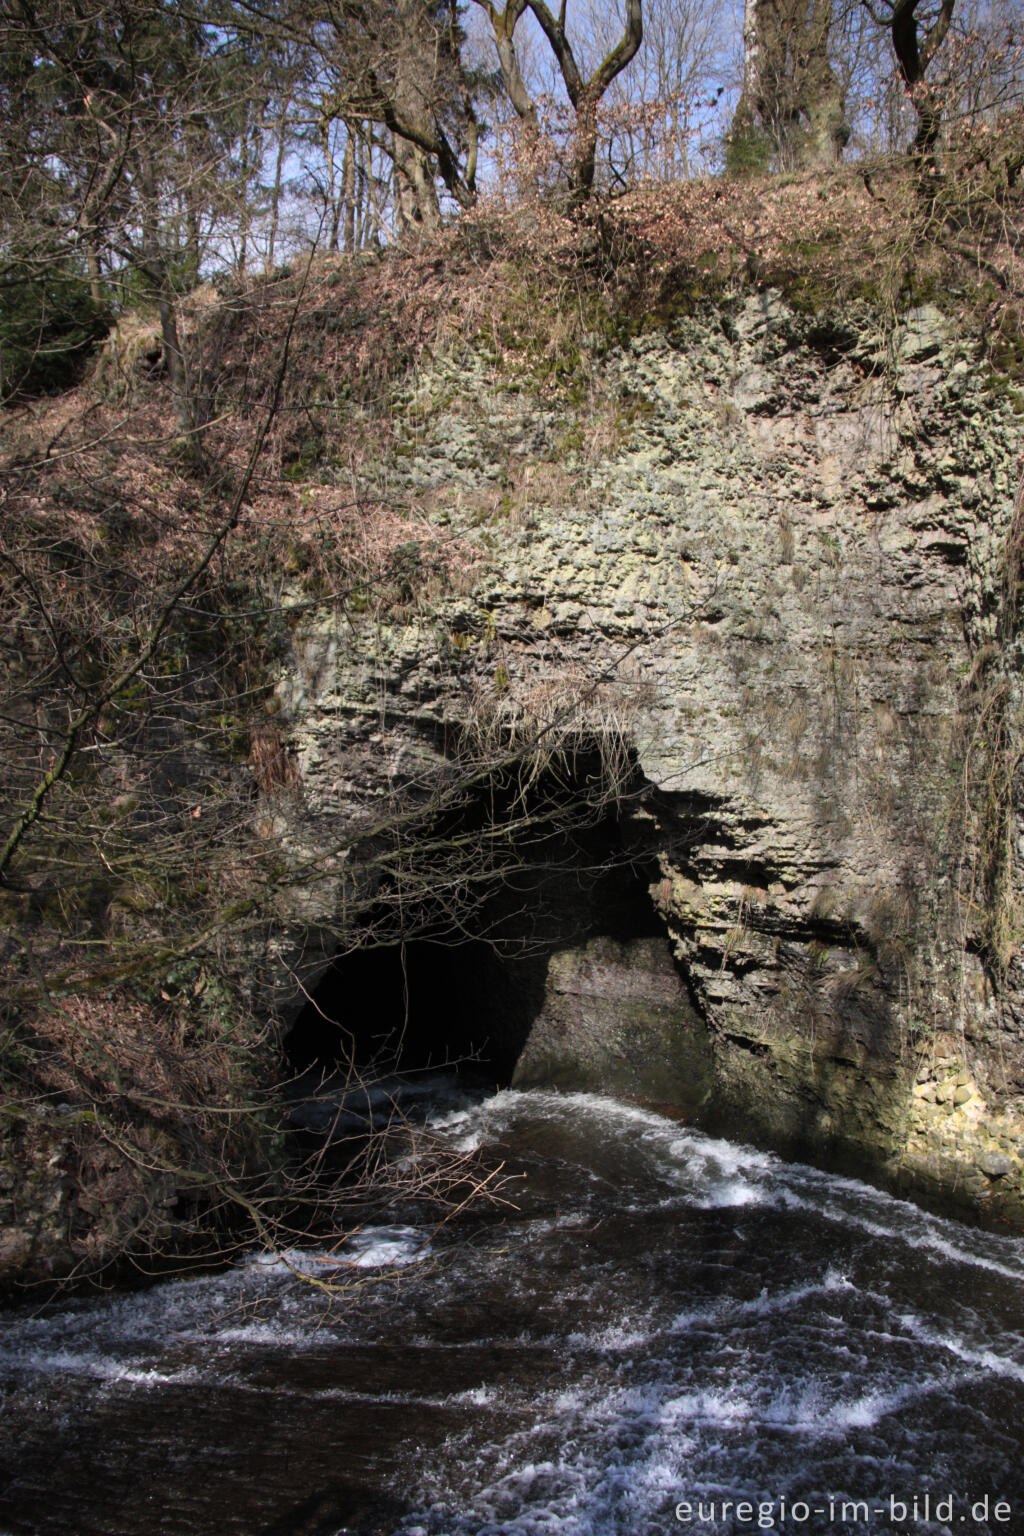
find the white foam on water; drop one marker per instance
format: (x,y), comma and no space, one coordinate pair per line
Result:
(179,1309)
(377,1247)
(387,1247)
(712,1173)
(64,1362)
(730,1192)
(284,1261)
(727,1173)
(601,1453)
(625,1456)
(498,1112)
(719,1174)
(625,1335)
(472,1397)
(701,1407)
(207,1307)
(868,1411)
(880,1214)
(984,1360)
(915,1229)
(729,1310)
(275,1334)
(94,1367)
(188,1375)
(725,1158)
(470,1125)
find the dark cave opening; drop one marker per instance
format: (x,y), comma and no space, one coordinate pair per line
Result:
(466,999)
(410,1007)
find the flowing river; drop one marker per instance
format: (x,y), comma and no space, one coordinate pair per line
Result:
(667,1333)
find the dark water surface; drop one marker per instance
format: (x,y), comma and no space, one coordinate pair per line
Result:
(665,1320)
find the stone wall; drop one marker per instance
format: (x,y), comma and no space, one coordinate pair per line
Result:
(769,550)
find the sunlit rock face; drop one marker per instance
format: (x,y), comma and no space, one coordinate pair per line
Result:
(616,1018)
(762,566)
(772,552)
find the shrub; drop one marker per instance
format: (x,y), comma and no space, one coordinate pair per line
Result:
(49,325)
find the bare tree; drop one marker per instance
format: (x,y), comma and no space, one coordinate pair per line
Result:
(917,31)
(399,66)
(584,91)
(662,114)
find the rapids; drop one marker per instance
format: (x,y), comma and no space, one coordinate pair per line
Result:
(665,1332)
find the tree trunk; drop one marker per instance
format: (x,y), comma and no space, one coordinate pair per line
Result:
(415,192)
(275,196)
(415,186)
(913,57)
(824,129)
(791,109)
(153,265)
(174,357)
(359,206)
(92,258)
(585,157)
(243,231)
(378,189)
(348,190)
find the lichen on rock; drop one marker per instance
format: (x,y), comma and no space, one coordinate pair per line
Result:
(777,539)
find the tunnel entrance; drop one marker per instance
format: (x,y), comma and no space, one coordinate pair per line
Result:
(419,1005)
(469,1000)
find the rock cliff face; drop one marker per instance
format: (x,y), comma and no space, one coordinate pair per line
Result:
(774,553)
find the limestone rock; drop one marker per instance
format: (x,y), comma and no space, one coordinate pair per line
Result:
(783,572)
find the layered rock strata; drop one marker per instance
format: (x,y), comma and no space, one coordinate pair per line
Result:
(769,551)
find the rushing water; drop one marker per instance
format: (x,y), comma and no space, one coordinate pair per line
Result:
(665,1320)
